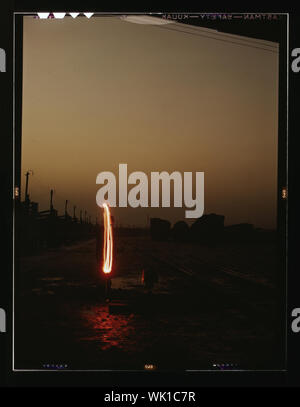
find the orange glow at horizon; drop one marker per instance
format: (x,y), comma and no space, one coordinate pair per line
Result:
(108,240)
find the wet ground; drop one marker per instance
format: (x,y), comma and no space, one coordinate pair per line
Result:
(211,306)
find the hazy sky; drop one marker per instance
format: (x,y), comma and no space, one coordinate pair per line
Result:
(98,92)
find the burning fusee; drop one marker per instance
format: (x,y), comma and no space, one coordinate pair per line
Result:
(138,194)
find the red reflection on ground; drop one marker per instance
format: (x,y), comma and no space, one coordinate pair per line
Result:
(109,330)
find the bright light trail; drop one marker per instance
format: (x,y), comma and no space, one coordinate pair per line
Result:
(108,240)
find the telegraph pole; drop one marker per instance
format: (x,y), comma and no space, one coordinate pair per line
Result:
(26,186)
(66,208)
(51,200)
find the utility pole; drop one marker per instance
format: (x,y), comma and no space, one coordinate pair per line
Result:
(74,212)
(26,186)
(66,208)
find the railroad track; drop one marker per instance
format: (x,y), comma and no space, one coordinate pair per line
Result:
(253,295)
(213,271)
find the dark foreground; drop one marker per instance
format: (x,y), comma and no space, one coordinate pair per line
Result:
(212,305)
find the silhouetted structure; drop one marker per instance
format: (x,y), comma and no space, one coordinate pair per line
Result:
(99,230)
(46,229)
(242,232)
(181,231)
(208,228)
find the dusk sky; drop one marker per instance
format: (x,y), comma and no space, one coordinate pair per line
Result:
(102,91)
